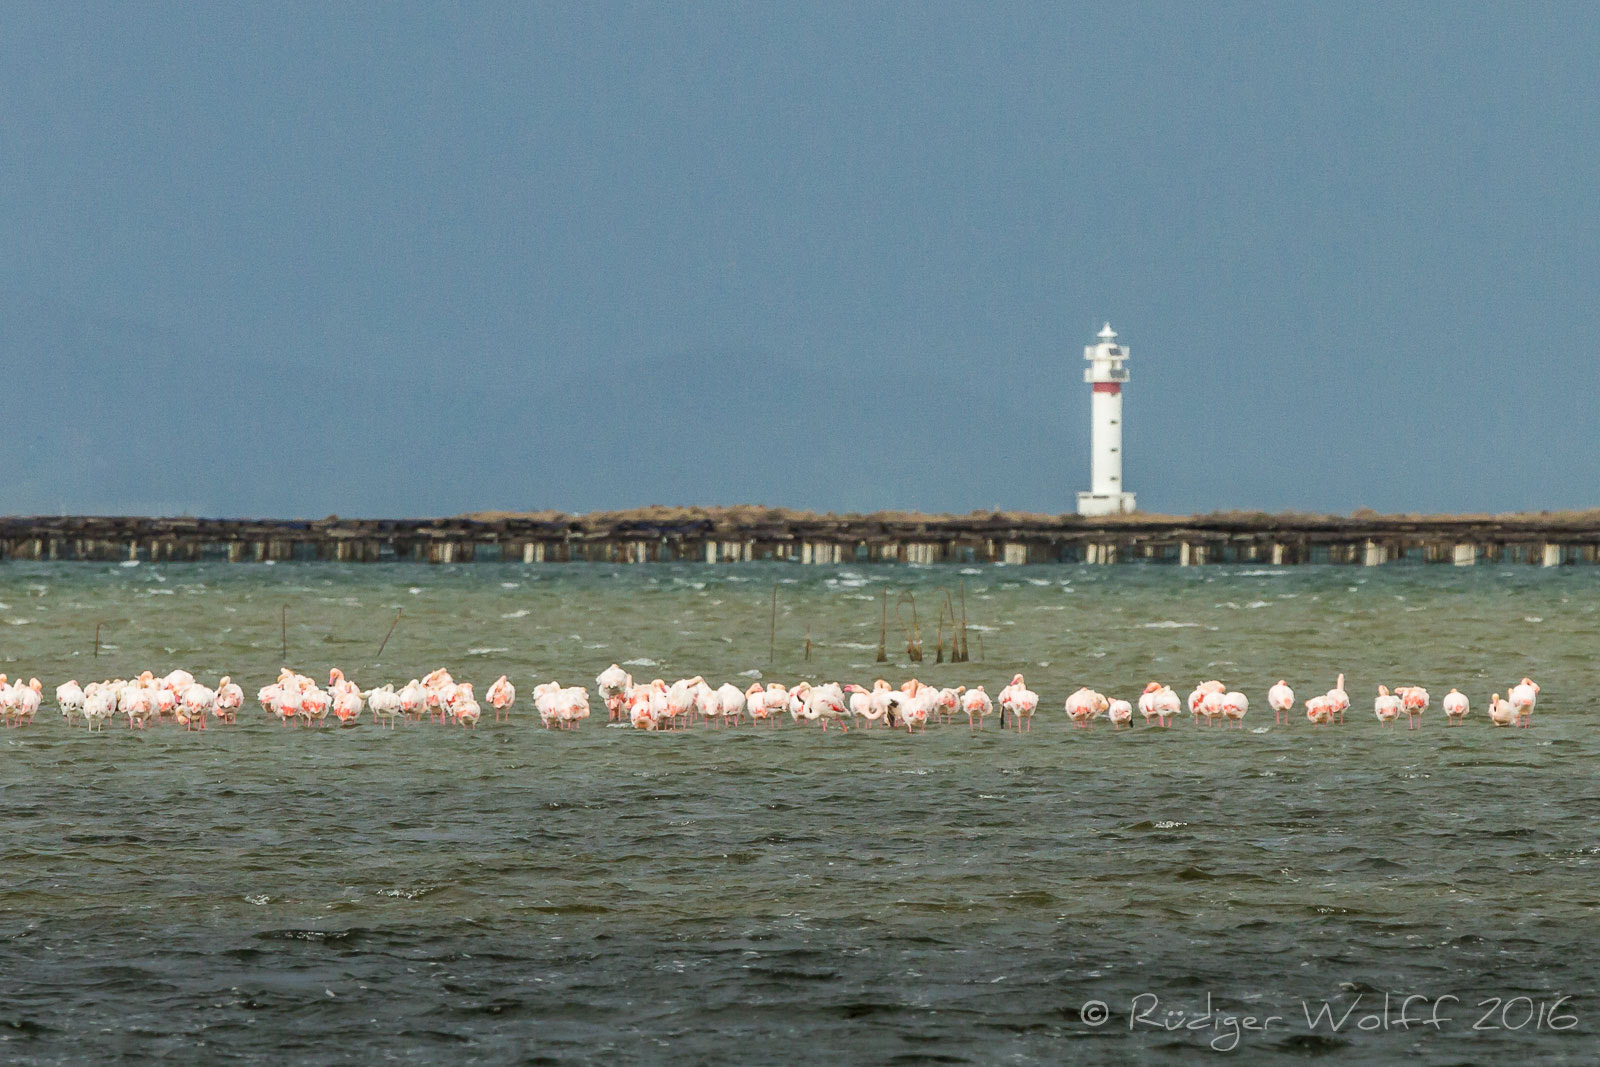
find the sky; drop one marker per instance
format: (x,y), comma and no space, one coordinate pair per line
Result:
(422,259)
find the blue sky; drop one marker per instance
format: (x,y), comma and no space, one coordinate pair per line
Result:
(422,259)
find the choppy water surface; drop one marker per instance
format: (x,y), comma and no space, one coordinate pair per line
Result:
(257,893)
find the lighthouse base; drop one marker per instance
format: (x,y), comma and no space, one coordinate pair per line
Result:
(1101,504)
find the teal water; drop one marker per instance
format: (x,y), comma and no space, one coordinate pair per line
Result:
(255,893)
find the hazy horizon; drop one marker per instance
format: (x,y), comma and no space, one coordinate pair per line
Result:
(396,261)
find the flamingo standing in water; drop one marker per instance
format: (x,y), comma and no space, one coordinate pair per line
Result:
(1319,711)
(1386,707)
(1413,701)
(1456,706)
(1523,696)
(69,698)
(501,695)
(1234,706)
(1120,712)
(613,684)
(1280,698)
(1501,713)
(230,698)
(465,707)
(977,705)
(1021,702)
(1085,705)
(1339,700)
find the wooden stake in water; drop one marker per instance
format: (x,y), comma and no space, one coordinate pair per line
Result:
(388,635)
(883,631)
(808,644)
(97,639)
(964,653)
(913,632)
(772,634)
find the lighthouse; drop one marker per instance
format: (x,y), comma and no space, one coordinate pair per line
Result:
(1106,374)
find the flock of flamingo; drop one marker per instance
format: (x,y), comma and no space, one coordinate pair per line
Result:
(295,699)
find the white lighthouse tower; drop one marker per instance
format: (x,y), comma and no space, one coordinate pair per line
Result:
(1106,374)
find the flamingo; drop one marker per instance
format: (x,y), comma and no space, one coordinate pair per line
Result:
(230,698)
(1413,701)
(1120,712)
(613,684)
(1523,696)
(26,700)
(197,701)
(69,698)
(976,703)
(1319,711)
(99,704)
(1020,701)
(1234,706)
(732,703)
(861,706)
(1456,707)
(1084,706)
(1501,712)
(465,707)
(501,695)
(1280,698)
(1339,699)
(385,705)
(1386,707)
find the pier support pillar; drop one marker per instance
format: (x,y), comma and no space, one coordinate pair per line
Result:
(1016,554)
(1277,555)
(1465,555)
(1376,554)
(1552,555)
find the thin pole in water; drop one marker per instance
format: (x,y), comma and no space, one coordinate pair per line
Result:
(964,653)
(97,639)
(772,634)
(883,630)
(388,635)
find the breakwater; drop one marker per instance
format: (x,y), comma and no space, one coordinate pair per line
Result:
(733,535)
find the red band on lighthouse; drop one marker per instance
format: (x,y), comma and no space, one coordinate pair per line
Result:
(1107,387)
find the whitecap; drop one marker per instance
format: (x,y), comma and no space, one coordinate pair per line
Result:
(969,570)
(640,662)
(414,590)
(520,613)
(257,900)
(22,622)
(752,673)
(1258,604)
(1167,825)
(1040,581)
(1168,624)
(485,651)
(1532,618)
(129,563)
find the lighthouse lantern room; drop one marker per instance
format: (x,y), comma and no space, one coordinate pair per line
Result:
(1106,374)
